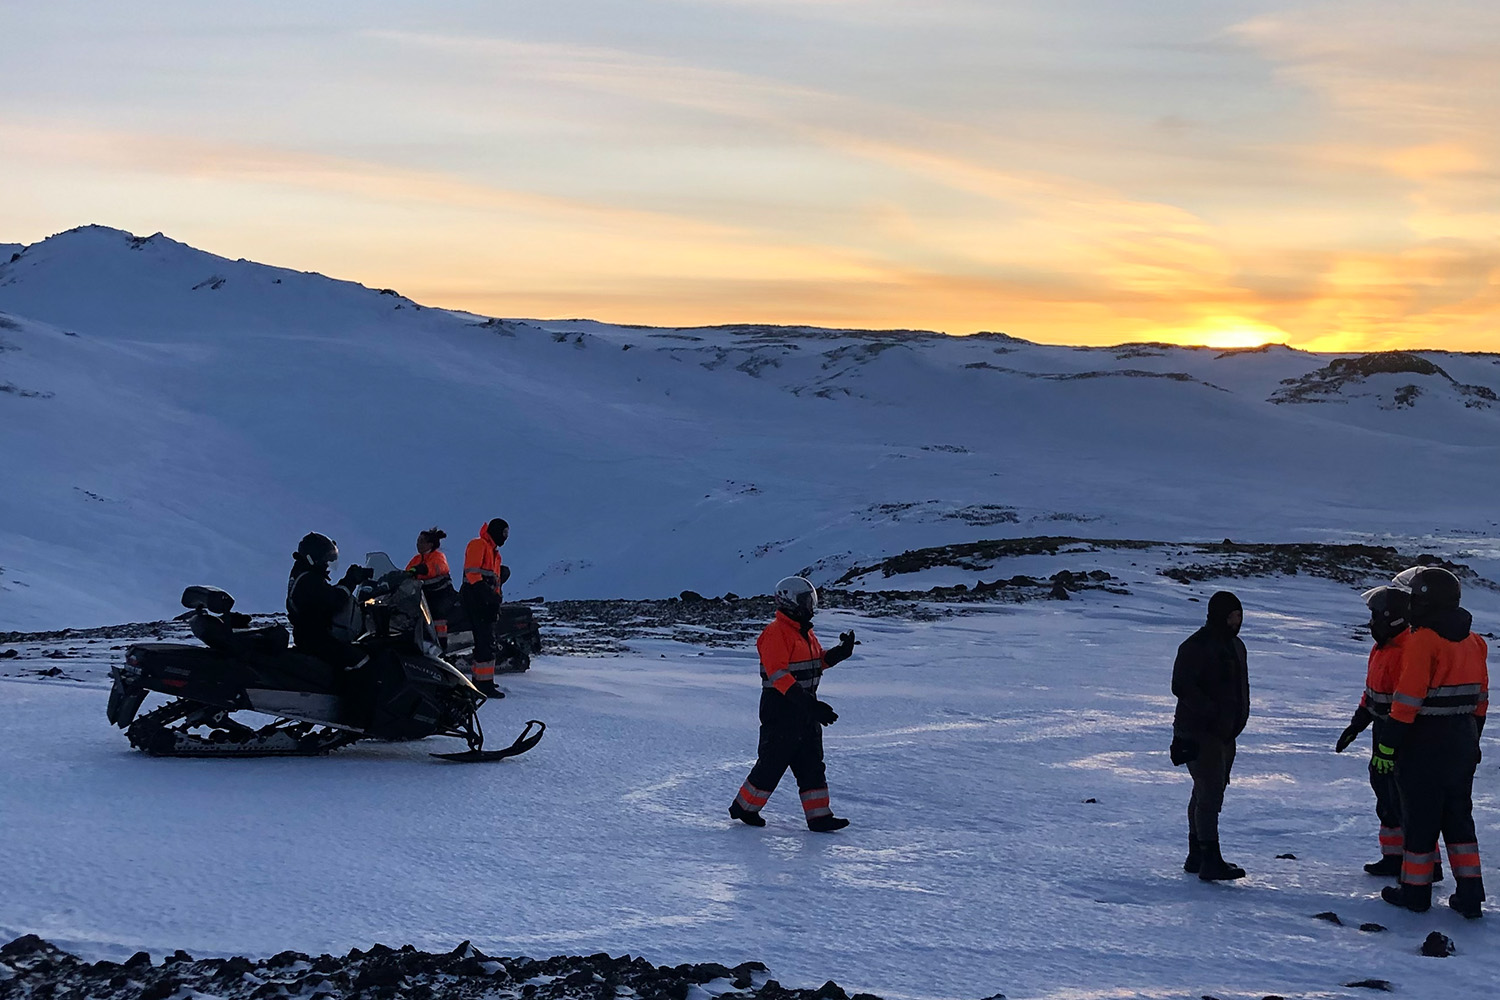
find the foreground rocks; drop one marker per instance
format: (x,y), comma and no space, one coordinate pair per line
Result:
(33,969)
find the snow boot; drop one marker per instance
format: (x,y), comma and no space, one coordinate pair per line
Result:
(739,812)
(826,824)
(1469,899)
(1195,857)
(1416,898)
(1389,866)
(1214,868)
(489,690)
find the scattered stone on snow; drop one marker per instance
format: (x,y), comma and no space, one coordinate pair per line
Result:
(1372,928)
(1371,984)
(1330,916)
(34,969)
(1438,945)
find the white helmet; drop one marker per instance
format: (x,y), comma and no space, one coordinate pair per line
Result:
(797,598)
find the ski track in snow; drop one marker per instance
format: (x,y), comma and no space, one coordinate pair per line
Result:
(964,754)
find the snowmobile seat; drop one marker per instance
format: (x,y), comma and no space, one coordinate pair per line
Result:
(210,599)
(215,633)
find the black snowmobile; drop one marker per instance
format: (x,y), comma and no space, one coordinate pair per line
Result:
(405,691)
(517,637)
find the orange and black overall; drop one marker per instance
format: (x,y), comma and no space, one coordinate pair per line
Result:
(790,656)
(1380,685)
(437,585)
(1437,712)
(480,595)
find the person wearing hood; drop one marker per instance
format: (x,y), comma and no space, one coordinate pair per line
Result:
(1389,616)
(313,604)
(1431,744)
(481,597)
(792,718)
(1212,683)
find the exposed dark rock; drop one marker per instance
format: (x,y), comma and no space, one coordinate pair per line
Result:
(1286,857)
(38,970)
(1438,945)
(1370,984)
(1372,928)
(1330,916)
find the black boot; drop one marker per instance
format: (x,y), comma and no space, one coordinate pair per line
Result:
(739,812)
(826,824)
(1388,866)
(1437,871)
(1195,857)
(1469,899)
(489,690)
(1416,898)
(1214,868)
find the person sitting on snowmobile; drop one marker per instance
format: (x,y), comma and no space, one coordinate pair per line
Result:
(430,565)
(312,603)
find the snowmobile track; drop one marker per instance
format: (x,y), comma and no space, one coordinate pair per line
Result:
(155,734)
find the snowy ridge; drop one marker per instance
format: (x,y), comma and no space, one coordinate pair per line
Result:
(170,416)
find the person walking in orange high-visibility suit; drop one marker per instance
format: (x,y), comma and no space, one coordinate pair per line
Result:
(1431,743)
(792,718)
(481,597)
(430,567)
(1390,613)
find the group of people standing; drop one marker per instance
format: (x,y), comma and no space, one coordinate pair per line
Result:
(1426,696)
(314,604)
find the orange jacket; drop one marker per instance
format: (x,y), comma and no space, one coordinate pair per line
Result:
(1382,674)
(788,657)
(482,559)
(1441,677)
(431,568)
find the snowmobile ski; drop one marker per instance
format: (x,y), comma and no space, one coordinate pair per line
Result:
(524,742)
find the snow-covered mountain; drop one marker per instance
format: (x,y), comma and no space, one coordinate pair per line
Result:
(169,416)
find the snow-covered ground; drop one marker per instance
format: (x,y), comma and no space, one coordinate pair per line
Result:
(1017,826)
(171,417)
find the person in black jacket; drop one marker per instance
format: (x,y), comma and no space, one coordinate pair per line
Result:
(1212,685)
(312,603)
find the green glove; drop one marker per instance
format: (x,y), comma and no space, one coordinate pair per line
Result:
(1384,759)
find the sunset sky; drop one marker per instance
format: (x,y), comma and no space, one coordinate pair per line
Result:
(1079,171)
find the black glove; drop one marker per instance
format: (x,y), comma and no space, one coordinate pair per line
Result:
(824,713)
(838,654)
(356,575)
(1348,736)
(1183,751)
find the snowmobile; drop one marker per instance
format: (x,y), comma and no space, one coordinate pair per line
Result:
(517,638)
(405,691)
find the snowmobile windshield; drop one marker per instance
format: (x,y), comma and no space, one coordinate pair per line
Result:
(380,564)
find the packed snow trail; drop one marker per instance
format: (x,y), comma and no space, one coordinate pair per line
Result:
(966,752)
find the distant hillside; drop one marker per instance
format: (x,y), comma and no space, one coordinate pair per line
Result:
(169,416)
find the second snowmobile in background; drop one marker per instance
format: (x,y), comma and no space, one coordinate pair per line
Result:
(406,690)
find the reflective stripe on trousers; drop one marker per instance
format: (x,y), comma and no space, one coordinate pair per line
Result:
(1464,860)
(1416,869)
(815,803)
(750,798)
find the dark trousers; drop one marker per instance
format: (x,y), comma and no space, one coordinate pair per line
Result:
(1387,807)
(1210,773)
(482,605)
(797,747)
(1435,776)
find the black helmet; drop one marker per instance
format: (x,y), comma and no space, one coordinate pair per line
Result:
(797,598)
(1390,611)
(318,548)
(1433,589)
